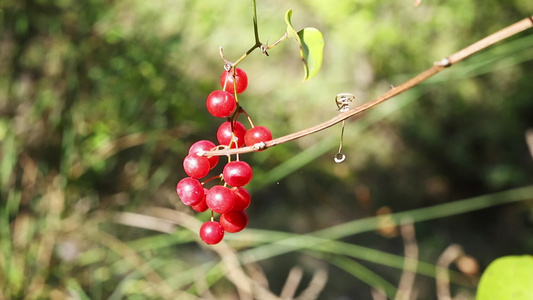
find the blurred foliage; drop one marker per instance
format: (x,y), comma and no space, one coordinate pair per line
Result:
(100,100)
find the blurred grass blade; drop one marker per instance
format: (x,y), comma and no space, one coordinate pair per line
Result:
(8,156)
(159,241)
(288,243)
(430,213)
(364,274)
(293,242)
(75,289)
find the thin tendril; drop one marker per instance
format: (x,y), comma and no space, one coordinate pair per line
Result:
(342,137)
(340,157)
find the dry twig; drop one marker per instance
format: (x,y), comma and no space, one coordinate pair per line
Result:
(291,284)
(158,218)
(529,141)
(407,280)
(443,278)
(378,295)
(316,285)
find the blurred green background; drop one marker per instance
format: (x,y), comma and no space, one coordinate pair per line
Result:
(100,101)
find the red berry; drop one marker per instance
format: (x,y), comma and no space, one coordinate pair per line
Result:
(256,135)
(190,191)
(220,104)
(242,198)
(196,166)
(225,133)
(237,173)
(234,221)
(205,145)
(220,199)
(211,232)
(201,206)
(227,81)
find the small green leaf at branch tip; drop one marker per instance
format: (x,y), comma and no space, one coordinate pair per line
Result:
(509,277)
(311,44)
(290,29)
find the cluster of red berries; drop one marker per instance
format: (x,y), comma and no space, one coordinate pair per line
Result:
(230,198)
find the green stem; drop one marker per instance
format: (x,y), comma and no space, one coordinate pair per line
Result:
(246,54)
(285,36)
(256,31)
(257,44)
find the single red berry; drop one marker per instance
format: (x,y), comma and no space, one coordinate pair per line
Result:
(234,221)
(204,145)
(220,199)
(220,103)
(242,198)
(227,130)
(211,232)
(256,135)
(201,206)
(227,80)
(196,166)
(190,191)
(237,173)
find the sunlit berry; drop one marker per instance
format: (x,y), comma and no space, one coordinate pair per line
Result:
(211,232)
(227,80)
(220,103)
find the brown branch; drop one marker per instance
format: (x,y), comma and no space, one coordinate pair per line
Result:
(436,68)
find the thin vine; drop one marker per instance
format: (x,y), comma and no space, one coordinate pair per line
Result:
(394,91)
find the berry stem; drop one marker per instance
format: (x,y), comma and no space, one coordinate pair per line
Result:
(394,91)
(233,141)
(247,117)
(212,178)
(235,94)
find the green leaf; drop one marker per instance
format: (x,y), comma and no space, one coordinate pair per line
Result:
(290,29)
(311,44)
(311,50)
(509,277)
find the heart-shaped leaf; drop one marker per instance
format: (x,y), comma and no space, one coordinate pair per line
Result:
(311,45)
(509,277)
